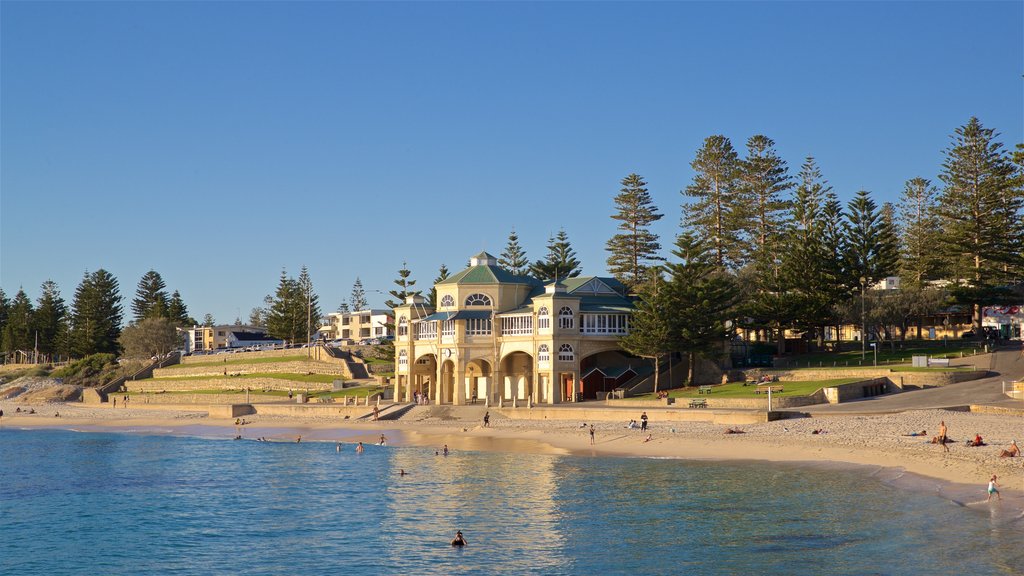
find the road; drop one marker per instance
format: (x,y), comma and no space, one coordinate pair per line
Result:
(1007,363)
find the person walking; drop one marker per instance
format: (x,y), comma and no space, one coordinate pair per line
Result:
(993,488)
(591,434)
(487,419)
(643,422)
(943,438)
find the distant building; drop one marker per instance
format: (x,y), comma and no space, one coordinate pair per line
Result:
(356,326)
(497,337)
(1007,321)
(205,338)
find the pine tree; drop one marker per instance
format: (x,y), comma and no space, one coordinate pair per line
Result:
(980,209)
(177,312)
(635,248)
(150,297)
(309,303)
(96,315)
(404,288)
(650,329)
(921,259)
(513,258)
(358,297)
(442,274)
(560,262)
(343,308)
(50,319)
(208,320)
(286,312)
(701,297)
(5,308)
(717,212)
(19,333)
(763,177)
(870,255)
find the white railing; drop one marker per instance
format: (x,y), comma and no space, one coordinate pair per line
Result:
(426,330)
(617,324)
(517,325)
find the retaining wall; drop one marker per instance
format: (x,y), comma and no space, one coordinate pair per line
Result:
(292,367)
(228,383)
(597,413)
(760,403)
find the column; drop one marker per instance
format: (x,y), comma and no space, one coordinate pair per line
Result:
(459,384)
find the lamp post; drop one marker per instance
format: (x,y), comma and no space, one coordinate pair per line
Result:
(863,320)
(874,347)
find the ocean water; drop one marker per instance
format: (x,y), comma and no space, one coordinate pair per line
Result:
(115,503)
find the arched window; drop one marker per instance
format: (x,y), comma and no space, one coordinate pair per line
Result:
(565,320)
(403,326)
(447,301)
(478,300)
(543,353)
(565,353)
(403,358)
(543,317)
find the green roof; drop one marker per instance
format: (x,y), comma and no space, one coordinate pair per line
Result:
(483,274)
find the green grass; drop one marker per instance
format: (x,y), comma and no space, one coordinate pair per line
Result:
(738,390)
(226,362)
(360,392)
(886,357)
(291,377)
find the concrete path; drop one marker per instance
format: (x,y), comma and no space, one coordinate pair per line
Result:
(1006,362)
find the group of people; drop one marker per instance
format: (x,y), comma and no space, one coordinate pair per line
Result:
(124,401)
(420,399)
(1012,451)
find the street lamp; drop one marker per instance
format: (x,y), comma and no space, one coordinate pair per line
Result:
(863,320)
(874,347)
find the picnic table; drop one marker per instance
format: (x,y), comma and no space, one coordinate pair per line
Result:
(698,403)
(704,390)
(774,388)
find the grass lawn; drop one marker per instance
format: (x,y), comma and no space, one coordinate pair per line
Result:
(738,390)
(852,359)
(292,377)
(228,362)
(360,391)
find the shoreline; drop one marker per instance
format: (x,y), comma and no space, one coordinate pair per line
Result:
(787,441)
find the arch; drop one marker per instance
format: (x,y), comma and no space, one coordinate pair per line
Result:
(543,318)
(565,318)
(543,353)
(566,353)
(517,376)
(478,299)
(447,301)
(403,326)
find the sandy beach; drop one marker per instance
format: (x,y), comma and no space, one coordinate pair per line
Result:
(877,441)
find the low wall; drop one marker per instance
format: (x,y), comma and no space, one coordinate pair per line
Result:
(311,410)
(936,378)
(199,399)
(760,403)
(578,414)
(228,383)
(230,410)
(1001,410)
(92,396)
(855,390)
(298,353)
(297,367)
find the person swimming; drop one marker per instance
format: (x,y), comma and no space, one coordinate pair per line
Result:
(459,540)
(359,448)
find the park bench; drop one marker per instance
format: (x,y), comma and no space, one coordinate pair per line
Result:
(938,362)
(766,387)
(704,390)
(698,403)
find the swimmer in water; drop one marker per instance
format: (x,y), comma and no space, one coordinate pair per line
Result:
(459,540)
(383,440)
(359,448)
(338,447)
(401,472)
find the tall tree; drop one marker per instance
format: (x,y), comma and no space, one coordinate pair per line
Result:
(286,315)
(650,327)
(96,315)
(635,248)
(150,337)
(717,211)
(310,303)
(19,333)
(921,258)
(50,319)
(177,312)
(560,262)
(869,253)
(702,297)
(343,308)
(404,288)
(5,308)
(763,178)
(442,274)
(513,258)
(979,204)
(150,297)
(358,297)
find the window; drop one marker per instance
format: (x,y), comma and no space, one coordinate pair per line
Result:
(448,328)
(344,320)
(478,327)
(543,318)
(565,320)
(346,334)
(447,301)
(378,330)
(403,326)
(543,353)
(478,300)
(604,323)
(565,353)
(403,358)
(364,332)
(517,325)
(426,330)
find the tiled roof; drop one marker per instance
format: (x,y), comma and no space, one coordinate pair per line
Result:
(484,274)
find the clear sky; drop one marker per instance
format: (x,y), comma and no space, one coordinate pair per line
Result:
(218,143)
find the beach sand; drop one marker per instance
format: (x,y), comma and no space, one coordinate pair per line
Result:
(876,441)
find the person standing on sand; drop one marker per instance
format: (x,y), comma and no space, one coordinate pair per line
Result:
(993,488)
(487,419)
(115,401)
(591,434)
(376,413)
(943,438)
(643,422)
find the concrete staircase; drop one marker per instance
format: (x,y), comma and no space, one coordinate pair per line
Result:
(356,368)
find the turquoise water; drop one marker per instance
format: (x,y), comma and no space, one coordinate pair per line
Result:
(110,503)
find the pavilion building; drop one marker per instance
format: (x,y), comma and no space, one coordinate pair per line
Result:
(497,337)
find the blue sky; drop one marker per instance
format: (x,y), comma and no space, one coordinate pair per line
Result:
(218,143)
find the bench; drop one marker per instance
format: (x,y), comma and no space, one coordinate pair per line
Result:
(704,390)
(938,362)
(698,403)
(775,389)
